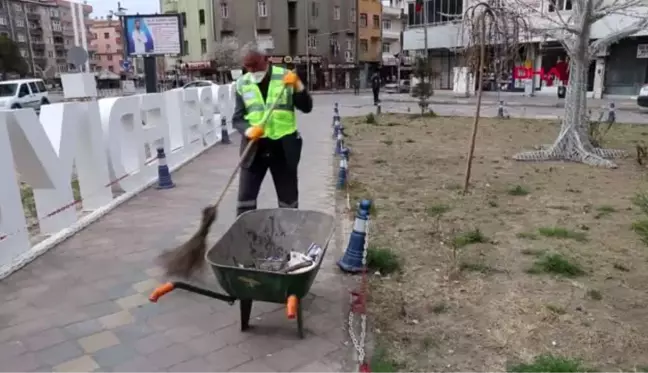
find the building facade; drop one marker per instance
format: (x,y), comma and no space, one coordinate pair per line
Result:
(393,24)
(107,44)
(369,38)
(198,32)
(620,70)
(43,31)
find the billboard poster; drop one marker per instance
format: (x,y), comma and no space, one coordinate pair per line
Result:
(150,35)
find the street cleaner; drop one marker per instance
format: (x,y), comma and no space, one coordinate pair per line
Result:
(278,143)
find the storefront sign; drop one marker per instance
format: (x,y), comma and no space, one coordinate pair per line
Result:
(521,72)
(642,51)
(341,66)
(199,65)
(295,59)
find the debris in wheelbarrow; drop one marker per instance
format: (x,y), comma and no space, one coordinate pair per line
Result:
(268,255)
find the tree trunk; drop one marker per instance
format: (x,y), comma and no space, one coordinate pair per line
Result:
(573,142)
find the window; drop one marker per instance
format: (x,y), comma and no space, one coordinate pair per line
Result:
(386,24)
(203,46)
(24,53)
(110,57)
(108,47)
(201,16)
(364,45)
(17,7)
(106,35)
(349,44)
(376,21)
(560,5)
(348,56)
(94,35)
(33,87)
(385,48)
(335,46)
(183,16)
(312,42)
(3,20)
(262,8)
(336,13)
(21,37)
(314,9)
(24,90)
(41,86)
(111,68)
(438,11)
(50,54)
(224,10)
(20,23)
(186,47)
(352,15)
(363,19)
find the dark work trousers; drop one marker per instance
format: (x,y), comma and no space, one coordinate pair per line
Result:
(375,94)
(282,158)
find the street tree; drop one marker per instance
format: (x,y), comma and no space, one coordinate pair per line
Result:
(11,61)
(488,24)
(573,29)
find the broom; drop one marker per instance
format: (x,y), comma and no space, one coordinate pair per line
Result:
(189,258)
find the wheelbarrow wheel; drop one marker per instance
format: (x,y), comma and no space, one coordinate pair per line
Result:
(246,310)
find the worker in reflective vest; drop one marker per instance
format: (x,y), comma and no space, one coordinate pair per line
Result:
(278,144)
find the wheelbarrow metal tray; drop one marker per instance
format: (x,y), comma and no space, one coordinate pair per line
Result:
(269,233)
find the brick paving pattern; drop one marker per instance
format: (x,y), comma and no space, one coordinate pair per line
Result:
(83,306)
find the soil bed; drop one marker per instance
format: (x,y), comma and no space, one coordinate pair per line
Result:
(538,259)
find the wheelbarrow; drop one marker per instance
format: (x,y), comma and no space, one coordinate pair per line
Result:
(267,255)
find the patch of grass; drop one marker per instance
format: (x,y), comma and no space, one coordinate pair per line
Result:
(594,294)
(550,363)
(518,190)
(562,233)
(468,238)
(380,361)
(29,203)
(379,161)
(437,209)
(370,118)
(383,260)
(641,201)
(641,228)
(558,265)
(621,267)
(603,211)
(409,141)
(493,203)
(440,308)
(453,186)
(556,309)
(527,235)
(532,252)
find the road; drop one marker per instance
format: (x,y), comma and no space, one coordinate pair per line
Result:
(443,106)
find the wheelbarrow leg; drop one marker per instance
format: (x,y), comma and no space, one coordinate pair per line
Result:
(246,310)
(300,320)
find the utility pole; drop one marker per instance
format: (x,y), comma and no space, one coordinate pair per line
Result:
(425,39)
(306,17)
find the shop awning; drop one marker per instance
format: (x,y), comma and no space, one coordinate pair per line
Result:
(388,59)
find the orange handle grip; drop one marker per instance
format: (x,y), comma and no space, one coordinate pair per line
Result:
(160,291)
(291,307)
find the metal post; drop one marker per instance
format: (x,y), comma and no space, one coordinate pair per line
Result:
(425,39)
(150,74)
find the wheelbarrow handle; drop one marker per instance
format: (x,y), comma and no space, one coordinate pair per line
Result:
(160,291)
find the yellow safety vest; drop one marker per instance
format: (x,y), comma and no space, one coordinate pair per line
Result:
(282,120)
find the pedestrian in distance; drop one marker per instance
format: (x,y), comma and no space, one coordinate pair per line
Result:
(278,143)
(375,87)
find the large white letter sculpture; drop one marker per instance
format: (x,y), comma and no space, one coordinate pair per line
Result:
(104,142)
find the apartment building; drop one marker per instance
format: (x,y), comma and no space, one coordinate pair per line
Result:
(107,44)
(394,62)
(620,70)
(39,27)
(314,37)
(369,38)
(198,32)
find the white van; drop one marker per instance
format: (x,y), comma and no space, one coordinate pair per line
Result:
(23,93)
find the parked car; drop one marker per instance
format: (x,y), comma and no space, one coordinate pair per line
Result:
(199,83)
(393,87)
(23,93)
(642,98)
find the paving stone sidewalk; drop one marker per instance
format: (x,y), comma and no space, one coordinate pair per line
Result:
(83,305)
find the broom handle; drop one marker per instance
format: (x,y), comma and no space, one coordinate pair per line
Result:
(248,148)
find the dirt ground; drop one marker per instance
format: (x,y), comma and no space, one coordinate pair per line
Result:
(555,267)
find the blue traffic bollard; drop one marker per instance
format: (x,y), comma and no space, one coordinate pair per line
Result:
(351,262)
(224,134)
(164,175)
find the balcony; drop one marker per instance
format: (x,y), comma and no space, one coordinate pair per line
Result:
(390,35)
(227,25)
(391,12)
(33,16)
(38,44)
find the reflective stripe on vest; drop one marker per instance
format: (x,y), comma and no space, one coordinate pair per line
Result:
(282,121)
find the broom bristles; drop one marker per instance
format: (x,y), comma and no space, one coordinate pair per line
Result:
(189,258)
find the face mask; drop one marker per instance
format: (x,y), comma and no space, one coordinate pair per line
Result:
(258,76)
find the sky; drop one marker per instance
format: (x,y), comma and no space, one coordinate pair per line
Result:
(102,7)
